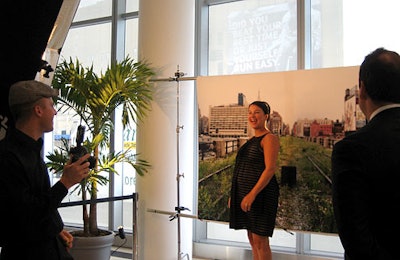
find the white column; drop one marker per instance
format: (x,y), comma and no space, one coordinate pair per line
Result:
(166,41)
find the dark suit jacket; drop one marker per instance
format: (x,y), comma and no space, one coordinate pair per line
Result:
(366,192)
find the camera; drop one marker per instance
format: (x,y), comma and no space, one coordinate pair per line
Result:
(78,151)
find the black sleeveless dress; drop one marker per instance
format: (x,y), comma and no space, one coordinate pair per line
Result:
(249,165)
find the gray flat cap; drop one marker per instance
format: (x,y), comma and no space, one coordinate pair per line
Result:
(29,91)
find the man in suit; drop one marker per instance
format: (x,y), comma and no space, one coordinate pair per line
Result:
(366,166)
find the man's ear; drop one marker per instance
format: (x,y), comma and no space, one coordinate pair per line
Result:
(38,109)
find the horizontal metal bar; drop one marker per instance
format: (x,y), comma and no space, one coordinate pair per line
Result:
(85,202)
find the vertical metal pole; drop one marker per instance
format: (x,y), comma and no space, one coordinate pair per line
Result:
(177,75)
(134,226)
(178,207)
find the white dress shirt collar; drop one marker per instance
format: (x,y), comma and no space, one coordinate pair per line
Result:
(381,109)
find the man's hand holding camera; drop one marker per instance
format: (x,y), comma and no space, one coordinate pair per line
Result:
(75,172)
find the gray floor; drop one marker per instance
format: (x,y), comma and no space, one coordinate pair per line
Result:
(124,254)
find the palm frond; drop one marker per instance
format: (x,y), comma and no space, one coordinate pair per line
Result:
(94,100)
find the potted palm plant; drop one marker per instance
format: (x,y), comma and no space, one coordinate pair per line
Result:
(94,98)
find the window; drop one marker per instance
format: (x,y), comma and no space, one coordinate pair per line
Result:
(368,25)
(266,35)
(256,36)
(252,36)
(93,9)
(91,44)
(132,6)
(131,39)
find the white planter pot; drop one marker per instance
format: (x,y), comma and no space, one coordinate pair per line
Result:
(92,248)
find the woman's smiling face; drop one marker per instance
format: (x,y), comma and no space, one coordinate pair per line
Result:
(256,117)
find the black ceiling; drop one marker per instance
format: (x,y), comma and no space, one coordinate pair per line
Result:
(25,28)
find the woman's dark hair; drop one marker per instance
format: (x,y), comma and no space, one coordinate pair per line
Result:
(380,72)
(263,105)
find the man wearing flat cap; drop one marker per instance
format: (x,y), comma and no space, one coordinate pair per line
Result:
(31,227)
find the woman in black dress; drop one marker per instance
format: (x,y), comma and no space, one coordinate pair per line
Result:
(255,190)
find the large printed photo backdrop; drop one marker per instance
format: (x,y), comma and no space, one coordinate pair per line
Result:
(310,110)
